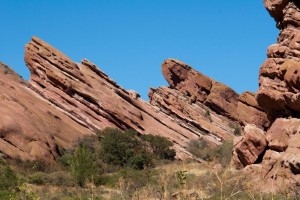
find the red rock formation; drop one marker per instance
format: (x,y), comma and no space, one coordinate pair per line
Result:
(249,147)
(279,95)
(217,96)
(31,127)
(279,75)
(88,96)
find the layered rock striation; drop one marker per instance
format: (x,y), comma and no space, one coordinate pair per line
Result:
(203,91)
(30,127)
(85,94)
(64,101)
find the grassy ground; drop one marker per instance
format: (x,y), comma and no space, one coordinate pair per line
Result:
(175,180)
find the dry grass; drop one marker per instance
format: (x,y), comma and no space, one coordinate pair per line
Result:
(175,181)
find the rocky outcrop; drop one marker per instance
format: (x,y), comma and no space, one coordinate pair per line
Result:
(30,127)
(201,89)
(279,75)
(180,107)
(85,94)
(279,96)
(64,101)
(271,157)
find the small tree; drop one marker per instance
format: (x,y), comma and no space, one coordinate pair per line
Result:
(82,165)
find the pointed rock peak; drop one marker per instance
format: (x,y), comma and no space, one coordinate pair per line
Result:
(43,59)
(178,74)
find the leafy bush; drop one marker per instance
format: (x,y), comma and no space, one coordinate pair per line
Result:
(161,146)
(60,178)
(237,131)
(8,178)
(38,178)
(82,165)
(123,149)
(207,114)
(109,180)
(32,166)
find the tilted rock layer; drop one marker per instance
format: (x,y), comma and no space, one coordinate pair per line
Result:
(201,89)
(64,101)
(31,127)
(87,97)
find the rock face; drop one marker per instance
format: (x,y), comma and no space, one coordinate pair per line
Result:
(279,95)
(279,75)
(217,96)
(30,127)
(88,96)
(64,100)
(85,94)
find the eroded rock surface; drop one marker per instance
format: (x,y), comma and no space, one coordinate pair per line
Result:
(279,96)
(30,127)
(217,96)
(280,74)
(250,146)
(89,97)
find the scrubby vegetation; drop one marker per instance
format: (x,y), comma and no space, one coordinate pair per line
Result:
(220,154)
(116,164)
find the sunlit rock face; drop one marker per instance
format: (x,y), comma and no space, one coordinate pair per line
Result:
(85,94)
(279,76)
(273,156)
(217,96)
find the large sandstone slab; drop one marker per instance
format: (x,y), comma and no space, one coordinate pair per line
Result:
(88,96)
(217,96)
(30,127)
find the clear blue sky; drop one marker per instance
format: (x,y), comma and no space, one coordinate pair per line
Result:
(129,39)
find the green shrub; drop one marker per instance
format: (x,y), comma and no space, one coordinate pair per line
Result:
(65,160)
(161,146)
(82,165)
(91,142)
(60,178)
(32,166)
(123,149)
(236,128)
(207,114)
(8,178)
(237,131)
(38,178)
(109,180)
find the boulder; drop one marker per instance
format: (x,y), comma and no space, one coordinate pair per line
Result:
(279,134)
(251,145)
(291,159)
